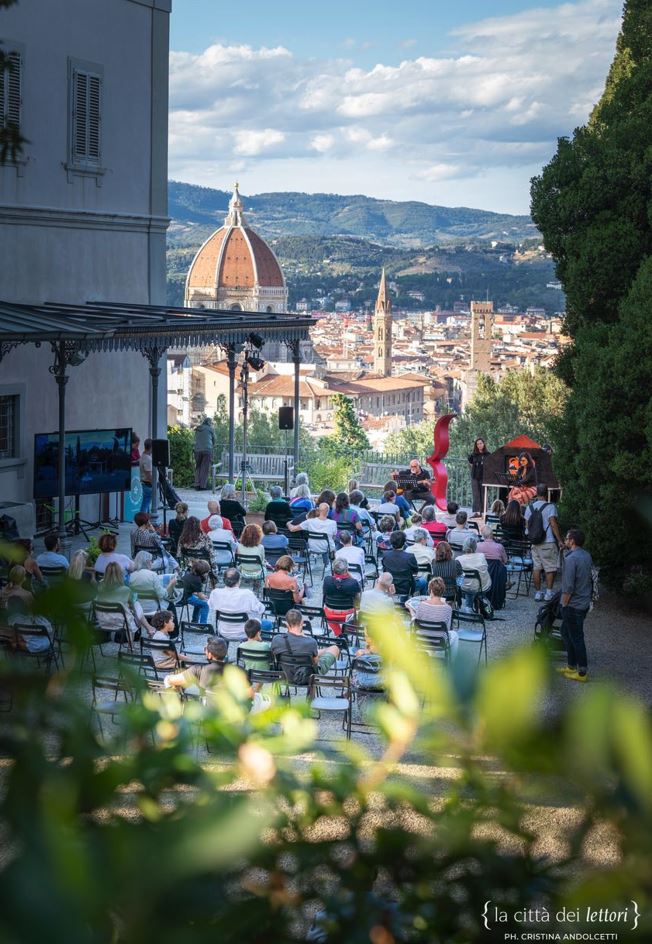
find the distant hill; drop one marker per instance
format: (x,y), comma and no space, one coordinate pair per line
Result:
(196,211)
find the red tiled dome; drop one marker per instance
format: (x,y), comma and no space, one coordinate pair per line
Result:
(235,257)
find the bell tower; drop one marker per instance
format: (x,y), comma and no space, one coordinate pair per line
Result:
(383,331)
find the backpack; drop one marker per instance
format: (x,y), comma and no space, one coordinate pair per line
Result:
(485,607)
(298,674)
(536,530)
(547,614)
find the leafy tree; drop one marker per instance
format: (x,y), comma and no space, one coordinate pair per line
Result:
(593,204)
(349,437)
(519,402)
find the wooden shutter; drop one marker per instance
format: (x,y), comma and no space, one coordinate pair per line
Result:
(10,91)
(87,98)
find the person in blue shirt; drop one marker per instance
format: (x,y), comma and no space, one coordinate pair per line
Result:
(576,596)
(52,556)
(401,503)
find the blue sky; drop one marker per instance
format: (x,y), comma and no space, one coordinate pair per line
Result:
(457,102)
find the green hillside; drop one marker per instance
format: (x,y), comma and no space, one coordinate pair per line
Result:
(196,211)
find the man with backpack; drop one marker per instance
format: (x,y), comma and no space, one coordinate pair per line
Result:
(546,540)
(298,646)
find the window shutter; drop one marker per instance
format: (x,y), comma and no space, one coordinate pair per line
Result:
(10,91)
(86,140)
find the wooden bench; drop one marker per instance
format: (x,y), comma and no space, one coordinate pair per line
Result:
(374,474)
(262,468)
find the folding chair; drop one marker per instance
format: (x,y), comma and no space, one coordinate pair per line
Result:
(253,659)
(230,626)
(472,576)
(338,615)
(136,663)
(337,698)
(154,550)
(54,575)
(223,547)
(370,568)
(107,706)
(280,601)
(432,637)
(519,565)
(251,561)
(298,551)
(150,647)
(115,621)
(149,601)
(343,661)
(287,664)
(192,554)
(319,545)
(467,632)
(311,613)
(188,628)
(30,632)
(356,571)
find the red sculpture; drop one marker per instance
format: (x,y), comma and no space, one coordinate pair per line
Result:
(439,482)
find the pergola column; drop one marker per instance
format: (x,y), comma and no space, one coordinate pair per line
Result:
(296,358)
(153,356)
(65,354)
(231,362)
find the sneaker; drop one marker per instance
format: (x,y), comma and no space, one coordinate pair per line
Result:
(538,596)
(576,677)
(566,670)
(548,595)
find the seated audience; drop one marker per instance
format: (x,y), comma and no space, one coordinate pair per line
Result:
(343,514)
(321,524)
(435,609)
(232,509)
(301,479)
(214,508)
(354,486)
(81,570)
(283,579)
(278,509)
(113,589)
(328,497)
(513,522)
(446,567)
(301,500)
(403,567)
(386,527)
(358,503)
(378,600)
(193,583)
(175,525)
(145,537)
(204,677)
(163,625)
(420,549)
(488,546)
(108,555)
(295,644)
(449,516)
(217,532)
(341,594)
(250,545)
(254,645)
(350,552)
(471,559)
(404,507)
(52,556)
(389,507)
(275,544)
(18,602)
(416,524)
(193,538)
(436,529)
(497,509)
(232,598)
(143,579)
(461,532)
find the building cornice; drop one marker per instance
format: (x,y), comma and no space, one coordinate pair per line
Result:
(81,219)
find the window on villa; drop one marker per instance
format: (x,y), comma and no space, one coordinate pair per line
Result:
(10,91)
(85,116)
(9,427)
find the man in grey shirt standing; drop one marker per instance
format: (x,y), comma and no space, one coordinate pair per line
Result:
(204,443)
(576,594)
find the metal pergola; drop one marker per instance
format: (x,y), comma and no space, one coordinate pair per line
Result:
(74,331)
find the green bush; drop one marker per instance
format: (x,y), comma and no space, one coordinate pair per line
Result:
(129,838)
(182,457)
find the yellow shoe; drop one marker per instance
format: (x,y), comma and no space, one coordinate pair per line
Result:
(566,671)
(576,677)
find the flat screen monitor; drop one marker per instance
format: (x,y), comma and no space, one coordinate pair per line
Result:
(98,461)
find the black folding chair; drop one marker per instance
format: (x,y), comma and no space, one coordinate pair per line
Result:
(280,601)
(319,546)
(298,551)
(471,628)
(432,637)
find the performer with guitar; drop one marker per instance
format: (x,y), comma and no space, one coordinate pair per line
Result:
(415,483)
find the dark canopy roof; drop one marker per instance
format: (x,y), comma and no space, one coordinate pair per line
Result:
(105,326)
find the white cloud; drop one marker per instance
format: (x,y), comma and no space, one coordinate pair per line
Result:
(489,112)
(251,143)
